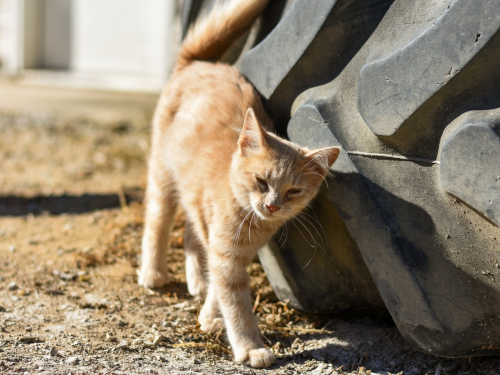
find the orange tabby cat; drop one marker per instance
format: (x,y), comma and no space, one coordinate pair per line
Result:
(213,152)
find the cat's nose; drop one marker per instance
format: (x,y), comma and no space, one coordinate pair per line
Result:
(272,208)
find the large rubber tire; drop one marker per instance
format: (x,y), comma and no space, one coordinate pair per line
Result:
(411,215)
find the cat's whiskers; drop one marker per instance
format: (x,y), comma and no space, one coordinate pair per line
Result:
(315,218)
(256,221)
(238,231)
(314,227)
(313,246)
(238,214)
(236,203)
(322,177)
(310,161)
(250,227)
(286,235)
(309,259)
(312,237)
(282,232)
(304,237)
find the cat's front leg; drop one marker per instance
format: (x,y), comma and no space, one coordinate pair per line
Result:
(230,282)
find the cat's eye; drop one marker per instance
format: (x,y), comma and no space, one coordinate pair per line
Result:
(294,192)
(262,183)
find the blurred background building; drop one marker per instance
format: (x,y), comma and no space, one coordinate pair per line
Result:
(100,44)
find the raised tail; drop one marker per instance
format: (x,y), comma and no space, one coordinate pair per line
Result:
(210,37)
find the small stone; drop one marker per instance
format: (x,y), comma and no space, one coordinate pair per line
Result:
(53,351)
(111,337)
(68,227)
(122,345)
(184,306)
(121,323)
(30,339)
(12,248)
(136,341)
(159,339)
(54,292)
(66,276)
(269,319)
(320,368)
(12,286)
(72,360)
(28,329)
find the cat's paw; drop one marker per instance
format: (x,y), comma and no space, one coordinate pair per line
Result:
(153,278)
(256,358)
(211,325)
(197,286)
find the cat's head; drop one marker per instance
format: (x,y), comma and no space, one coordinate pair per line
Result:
(274,177)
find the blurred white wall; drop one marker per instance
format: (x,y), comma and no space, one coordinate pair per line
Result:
(10,36)
(110,44)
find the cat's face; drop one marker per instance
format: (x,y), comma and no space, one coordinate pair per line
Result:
(274,177)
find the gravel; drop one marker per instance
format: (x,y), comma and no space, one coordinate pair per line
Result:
(69,299)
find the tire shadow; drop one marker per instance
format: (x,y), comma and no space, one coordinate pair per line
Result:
(11,205)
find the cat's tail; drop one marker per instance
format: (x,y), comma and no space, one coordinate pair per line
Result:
(210,37)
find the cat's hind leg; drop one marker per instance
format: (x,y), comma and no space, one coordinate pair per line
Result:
(196,268)
(210,317)
(161,205)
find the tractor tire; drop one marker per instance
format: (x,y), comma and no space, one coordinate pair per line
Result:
(410,218)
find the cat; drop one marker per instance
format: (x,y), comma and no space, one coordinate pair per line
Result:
(214,153)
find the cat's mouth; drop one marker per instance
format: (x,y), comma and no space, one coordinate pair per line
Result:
(268,216)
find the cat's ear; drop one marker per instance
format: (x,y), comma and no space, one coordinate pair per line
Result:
(321,160)
(253,136)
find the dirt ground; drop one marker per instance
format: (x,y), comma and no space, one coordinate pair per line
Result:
(71,187)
